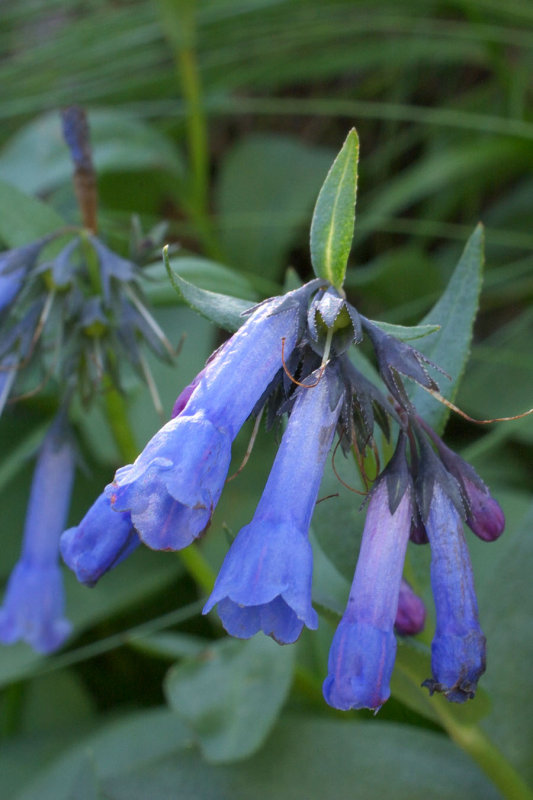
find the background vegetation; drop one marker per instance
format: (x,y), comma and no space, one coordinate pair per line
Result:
(222,118)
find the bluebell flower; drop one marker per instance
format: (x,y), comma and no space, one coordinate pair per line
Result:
(265,580)
(34,602)
(458,648)
(362,654)
(411,613)
(174,485)
(100,542)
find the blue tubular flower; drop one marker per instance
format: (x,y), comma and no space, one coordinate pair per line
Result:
(174,485)
(34,602)
(363,650)
(458,648)
(102,540)
(265,580)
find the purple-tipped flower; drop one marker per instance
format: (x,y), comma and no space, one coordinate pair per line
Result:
(411,614)
(485,516)
(102,540)
(483,513)
(265,580)
(363,650)
(173,487)
(34,601)
(458,648)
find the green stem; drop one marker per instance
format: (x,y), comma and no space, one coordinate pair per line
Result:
(178,19)
(473,741)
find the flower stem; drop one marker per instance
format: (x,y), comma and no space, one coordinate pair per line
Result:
(178,19)
(474,741)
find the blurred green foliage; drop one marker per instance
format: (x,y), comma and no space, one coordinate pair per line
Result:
(222,118)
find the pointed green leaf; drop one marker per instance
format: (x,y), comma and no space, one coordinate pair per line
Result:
(221,309)
(232,694)
(23,218)
(455,312)
(334,215)
(406,332)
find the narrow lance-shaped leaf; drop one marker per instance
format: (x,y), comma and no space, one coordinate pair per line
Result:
(221,309)
(334,215)
(449,347)
(23,218)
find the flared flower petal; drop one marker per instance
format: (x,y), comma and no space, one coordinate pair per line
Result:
(363,650)
(458,648)
(265,580)
(33,607)
(172,488)
(102,540)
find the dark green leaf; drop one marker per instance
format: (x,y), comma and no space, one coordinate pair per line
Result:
(23,219)
(308,758)
(231,696)
(221,309)
(406,332)
(334,215)
(455,312)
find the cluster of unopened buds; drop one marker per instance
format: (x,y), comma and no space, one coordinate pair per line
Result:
(291,356)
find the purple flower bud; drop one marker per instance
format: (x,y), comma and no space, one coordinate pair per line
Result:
(173,487)
(265,580)
(34,601)
(363,650)
(102,540)
(458,648)
(483,513)
(411,614)
(77,137)
(485,516)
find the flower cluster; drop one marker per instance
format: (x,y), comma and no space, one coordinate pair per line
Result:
(71,313)
(291,357)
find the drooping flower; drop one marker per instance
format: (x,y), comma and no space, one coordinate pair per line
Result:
(14,265)
(174,485)
(265,580)
(100,542)
(458,648)
(363,650)
(34,601)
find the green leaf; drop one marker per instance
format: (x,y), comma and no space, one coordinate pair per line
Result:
(406,332)
(36,158)
(309,758)
(506,604)
(23,219)
(204,273)
(266,188)
(119,747)
(231,696)
(455,312)
(221,309)
(334,215)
